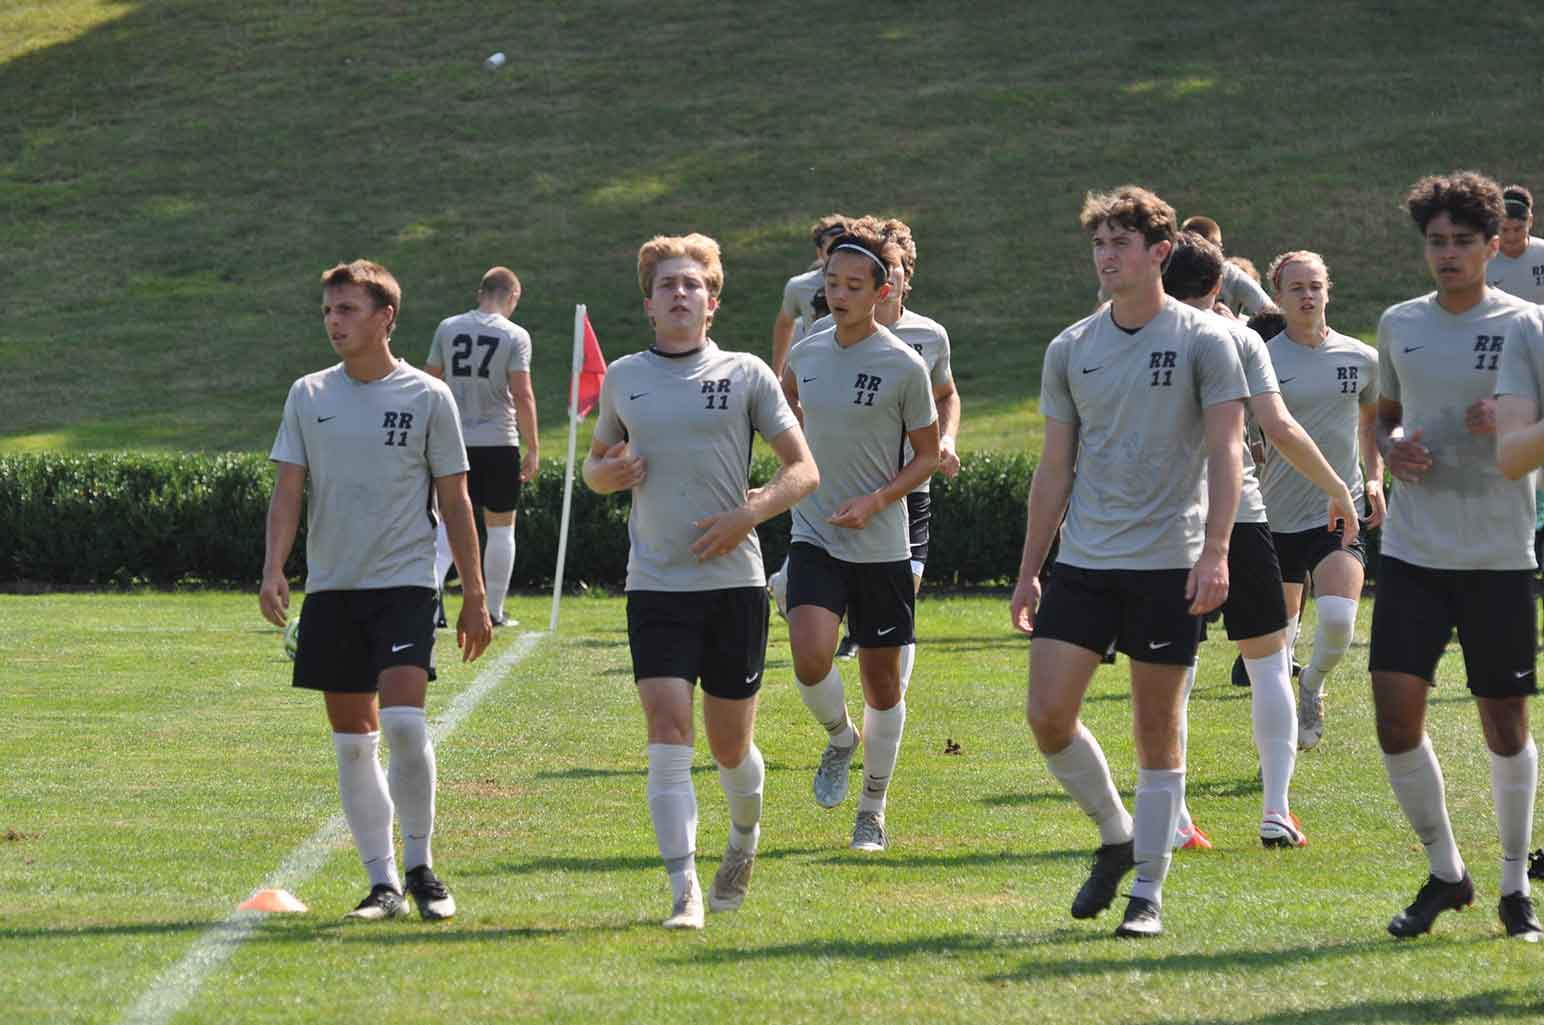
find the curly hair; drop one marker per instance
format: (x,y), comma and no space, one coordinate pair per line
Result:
(1133,208)
(865,236)
(1468,197)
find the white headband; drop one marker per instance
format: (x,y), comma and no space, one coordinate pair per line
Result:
(859,249)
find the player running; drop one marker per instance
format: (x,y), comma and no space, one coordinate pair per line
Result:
(860,392)
(1518,267)
(373,434)
(1145,398)
(675,428)
(486,360)
(799,309)
(1457,547)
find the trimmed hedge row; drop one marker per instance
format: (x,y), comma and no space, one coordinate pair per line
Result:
(114,519)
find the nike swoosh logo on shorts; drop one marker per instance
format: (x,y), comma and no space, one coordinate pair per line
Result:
(1521,673)
(752,678)
(401,647)
(886,630)
(1154,645)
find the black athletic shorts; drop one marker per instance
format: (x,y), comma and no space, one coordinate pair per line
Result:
(1143,611)
(1416,610)
(718,637)
(348,637)
(493,481)
(1301,551)
(878,598)
(1255,606)
(919,518)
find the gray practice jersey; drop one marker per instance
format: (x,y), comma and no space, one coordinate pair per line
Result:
(690,418)
(477,352)
(371,450)
(1239,290)
(1261,380)
(1463,514)
(1138,402)
(1522,276)
(1324,387)
(930,341)
(799,301)
(859,401)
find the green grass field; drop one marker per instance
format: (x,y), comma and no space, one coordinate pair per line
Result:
(176,175)
(161,768)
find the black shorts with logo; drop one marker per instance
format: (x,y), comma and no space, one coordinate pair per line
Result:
(1301,551)
(1416,610)
(878,598)
(718,637)
(347,638)
(919,519)
(1143,611)
(1255,606)
(493,480)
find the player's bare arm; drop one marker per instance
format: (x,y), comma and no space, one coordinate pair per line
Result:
(790,382)
(474,630)
(1407,458)
(856,512)
(1207,586)
(1049,491)
(947,398)
(289,487)
(1283,431)
(782,339)
(1519,436)
(525,421)
(612,468)
(796,478)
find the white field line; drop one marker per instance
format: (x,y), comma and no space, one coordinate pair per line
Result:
(176,987)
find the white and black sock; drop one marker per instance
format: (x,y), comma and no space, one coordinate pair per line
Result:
(1184,822)
(827,701)
(1417,781)
(411,775)
(1275,726)
(367,804)
(498,564)
(1513,780)
(881,747)
(908,663)
(673,807)
(1160,795)
(1331,638)
(1084,773)
(742,789)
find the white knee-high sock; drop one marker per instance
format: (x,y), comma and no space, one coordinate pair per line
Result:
(498,564)
(1081,769)
(742,789)
(881,746)
(367,804)
(1292,625)
(1160,794)
(1275,726)
(1417,781)
(442,556)
(827,701)
(411,774)
(1331,638)
(673,807)
(1512,783)
(1184,821)
(908,663)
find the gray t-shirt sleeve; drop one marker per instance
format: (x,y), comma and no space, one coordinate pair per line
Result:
(1369,393)
(1519,371)
(917,406)
(793,301)
(943,372)
(520,352)
(1242,290)
(436,357)
(1388,376)
(1259,374)
(290,445)
(1219,373)
(609,428)
(447,450)
(770,413)
(1055,397)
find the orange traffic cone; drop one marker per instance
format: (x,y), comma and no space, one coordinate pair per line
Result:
(270,901)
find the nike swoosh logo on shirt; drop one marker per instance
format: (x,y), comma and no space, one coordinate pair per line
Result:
(324,419)
(807,380)
(640,395)
(1284,380)
(1413,348)
(1154,645)
(401,647)
(886,630)
(1093,370)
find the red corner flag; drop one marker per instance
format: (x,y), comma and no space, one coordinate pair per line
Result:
(592,373)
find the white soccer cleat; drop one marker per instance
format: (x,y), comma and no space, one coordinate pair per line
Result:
(831,781)
(1310,712)
(732,880)
(868,833)
(686,912)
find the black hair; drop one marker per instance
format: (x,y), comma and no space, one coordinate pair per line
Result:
(1194,267)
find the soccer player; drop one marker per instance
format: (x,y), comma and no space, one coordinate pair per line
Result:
(1457,546)
(1145,398)
(373,434)
(675,428)
(860,392)
(1519,267)
(1329,382)
(799,293)
(486,360)
(1240,290)
(1255,614)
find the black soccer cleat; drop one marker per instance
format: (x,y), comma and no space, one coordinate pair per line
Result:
(382,902)
(433,899)
(1518,917)
(1434,897)
(1240,675)
(1536,864)
(1111,863)
(1141,921)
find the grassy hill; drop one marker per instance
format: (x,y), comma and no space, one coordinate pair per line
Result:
(175,174)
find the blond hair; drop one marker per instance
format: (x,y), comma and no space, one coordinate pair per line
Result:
(695,246)
(1294,256)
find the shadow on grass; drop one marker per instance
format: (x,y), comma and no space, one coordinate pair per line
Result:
(347,932)
(1020,799)
(832,855)
(1491,1005)
(72,932)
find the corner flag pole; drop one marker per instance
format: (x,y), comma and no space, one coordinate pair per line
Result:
(568,475)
